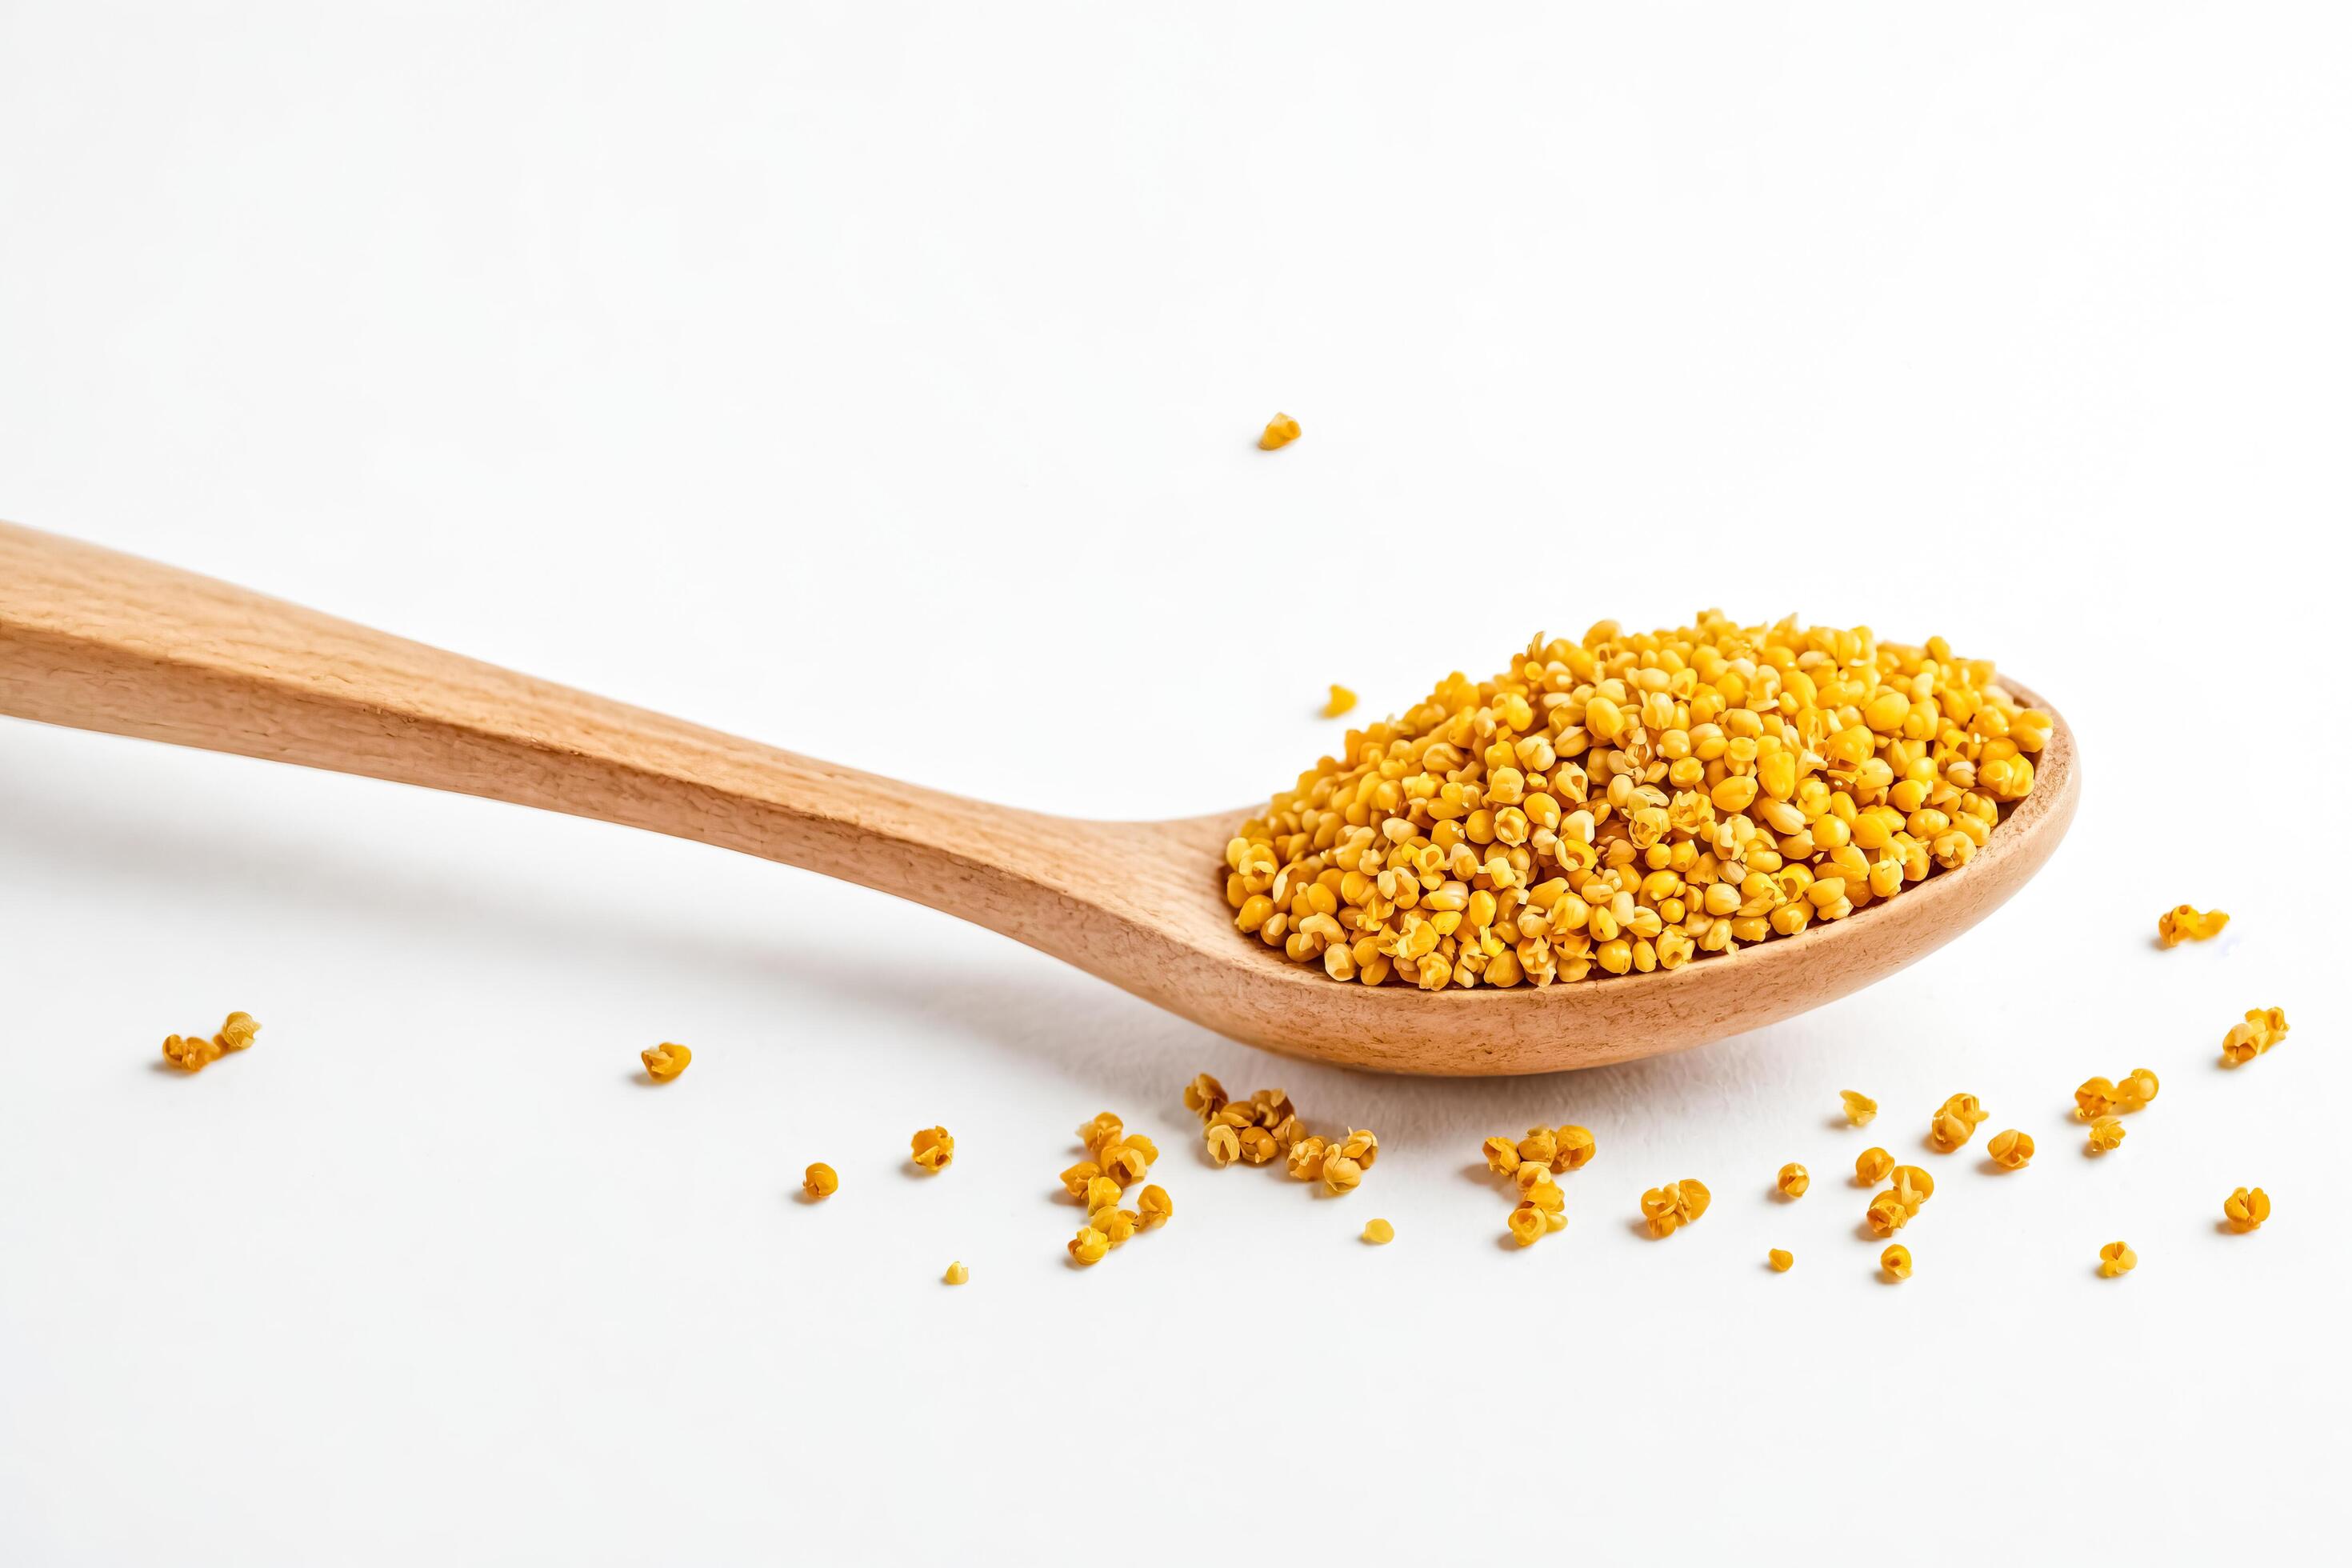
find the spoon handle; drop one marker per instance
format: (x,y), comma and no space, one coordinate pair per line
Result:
(96,640)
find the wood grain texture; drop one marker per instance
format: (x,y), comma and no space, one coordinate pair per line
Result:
(102,641)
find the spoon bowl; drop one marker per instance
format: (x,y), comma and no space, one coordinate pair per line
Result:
(96,640)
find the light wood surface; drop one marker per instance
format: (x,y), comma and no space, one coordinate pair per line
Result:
(98,640)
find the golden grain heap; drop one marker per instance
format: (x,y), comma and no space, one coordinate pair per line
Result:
(1531,1162)
(193,1053)
(1116,1160)
(1266,1125)
(1631,801)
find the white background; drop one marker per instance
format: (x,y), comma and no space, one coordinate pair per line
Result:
(881,381)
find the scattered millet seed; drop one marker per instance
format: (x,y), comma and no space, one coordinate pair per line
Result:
(1280,431)
(190,1053)
(1089,1246)
(820,1182)
(1267,1125)
(1305,1159)
(1913,1187)
(1155,1206)
(1538,1146)
(1502,1156)
(1119,1159)
(1886,1215)
(1896,1261)
(1102,1191)
(193,1053)
(1574,1149)
(1870,1166)
(1954,1123)
(2095,1099)
(1793,1180)
(2245,1209)
(2117,1259)
(2106,1134)
(666,1061)
(957,1274)
(1662,1206)
(1342,700)
(1631,801)
(1074,1179)
(2011,1150)
(1781,1261)
(934,1149)
(1117,1224)
(1528,1225)
(2262,1028)
(2134,1092)
(1694,1198)
(1204,1097)
(1378,1232)
(2186,924)
(1859,1108)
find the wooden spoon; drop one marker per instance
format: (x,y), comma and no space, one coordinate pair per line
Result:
(101,641)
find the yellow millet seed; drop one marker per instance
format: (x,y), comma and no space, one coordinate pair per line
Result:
(1695,1197)
(2134,1092)
(2011,1150)
(2245,1209)
(1075,1180)
(1896,1261)
(1378,1232)
(1780,1261)
(1341,1173)
(1663,1208)
(1306,1159)
(1886,1215)
(237,1032)
(934,1149)
(1859,1108)
(2261,1028)
(1258,1145)
(1630,801)
(1502,1156)
(1224,1143)
(1089,1246)
(1527,1226)
(1870,1166)
(1103,1132)
(190,1053)
(1342,701)
(2095,1099)
(1912,1188)
(2185,923)
(1538,1146)
(2106,1134)
(2117,1259)
(1573,1148)
(1102,1193)
(1948,1131)
(1361,1146)
(1793,1180)
(1280,431)
(666,1061)
(1127,1163)
(1204,1097)
(957,1274)
(1155,1206)
(820,1182)
(1117,1223)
